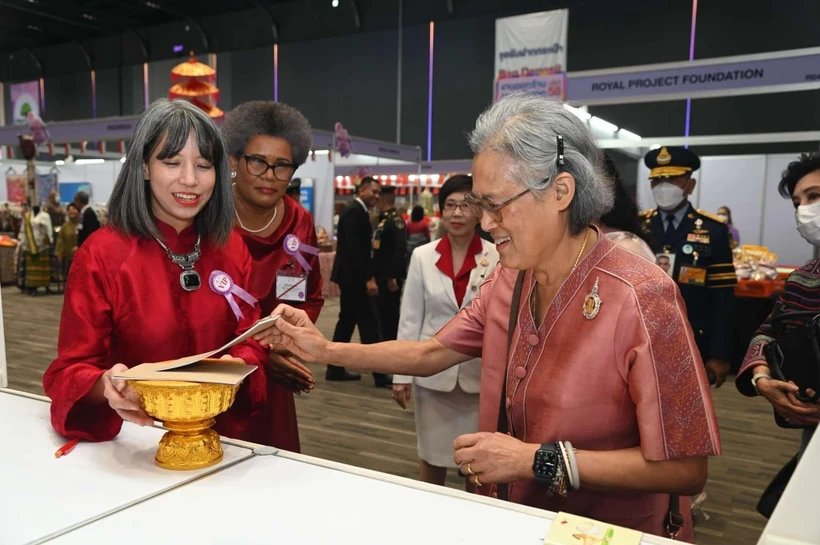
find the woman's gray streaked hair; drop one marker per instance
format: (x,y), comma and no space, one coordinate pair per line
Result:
(269,118)
(170,123)
(524,129)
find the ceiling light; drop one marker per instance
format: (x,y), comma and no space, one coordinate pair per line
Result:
(335,3)
(628,134)
(583,115)
(90,161)
(602,124)
(59,162)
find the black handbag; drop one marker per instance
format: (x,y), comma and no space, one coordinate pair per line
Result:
(794,354)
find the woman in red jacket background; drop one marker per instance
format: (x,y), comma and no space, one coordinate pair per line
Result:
(267,141)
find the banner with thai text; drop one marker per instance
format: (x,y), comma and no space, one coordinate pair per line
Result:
(531,48)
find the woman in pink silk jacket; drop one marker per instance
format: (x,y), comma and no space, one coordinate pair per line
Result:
(603,392)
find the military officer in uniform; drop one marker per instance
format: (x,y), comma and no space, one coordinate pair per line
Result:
(697,247)
(389,263)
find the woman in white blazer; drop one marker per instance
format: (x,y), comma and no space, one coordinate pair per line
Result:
(443,277)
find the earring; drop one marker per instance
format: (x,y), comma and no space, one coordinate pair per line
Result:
(233,174)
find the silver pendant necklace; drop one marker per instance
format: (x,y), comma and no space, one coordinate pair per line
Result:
(242,225)
(189,279)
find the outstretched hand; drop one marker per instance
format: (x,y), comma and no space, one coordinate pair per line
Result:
(294,332)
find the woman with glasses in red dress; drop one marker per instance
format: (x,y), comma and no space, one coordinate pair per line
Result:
(267,141)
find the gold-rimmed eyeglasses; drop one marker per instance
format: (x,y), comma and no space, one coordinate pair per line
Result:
(485,205)
(256,166)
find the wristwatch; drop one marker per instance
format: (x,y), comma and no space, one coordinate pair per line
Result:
(546,463)
(757,377)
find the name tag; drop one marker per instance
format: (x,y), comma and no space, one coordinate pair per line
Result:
(291,287)
(693,276)
(697,238)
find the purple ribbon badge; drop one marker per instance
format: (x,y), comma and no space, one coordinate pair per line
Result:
(294,248)
(222,284)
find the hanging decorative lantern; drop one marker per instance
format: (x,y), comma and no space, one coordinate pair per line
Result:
(195,85)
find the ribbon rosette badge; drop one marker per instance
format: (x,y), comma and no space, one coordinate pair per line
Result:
(294,247)
(222,284)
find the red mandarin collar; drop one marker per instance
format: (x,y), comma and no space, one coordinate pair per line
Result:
(182,242)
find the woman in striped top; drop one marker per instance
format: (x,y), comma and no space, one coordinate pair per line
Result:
(800,183)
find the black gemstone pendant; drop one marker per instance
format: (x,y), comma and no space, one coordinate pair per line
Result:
(190,280)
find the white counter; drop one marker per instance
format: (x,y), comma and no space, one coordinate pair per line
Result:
(41,495)
(113,492)
(796,519)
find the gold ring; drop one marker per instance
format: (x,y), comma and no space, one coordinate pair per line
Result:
(475,480)
(469,469)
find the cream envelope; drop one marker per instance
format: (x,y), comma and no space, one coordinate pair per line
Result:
(194,369)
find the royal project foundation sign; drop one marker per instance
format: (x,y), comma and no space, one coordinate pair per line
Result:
(752,74)
(531,53)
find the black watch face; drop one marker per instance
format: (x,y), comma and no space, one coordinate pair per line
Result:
(545,463)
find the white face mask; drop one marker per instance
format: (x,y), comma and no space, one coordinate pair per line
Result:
(724,217)
(808,222)
(667,195)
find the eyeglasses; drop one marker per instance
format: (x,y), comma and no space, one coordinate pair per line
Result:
(256,166)
(451,206)
(485,205)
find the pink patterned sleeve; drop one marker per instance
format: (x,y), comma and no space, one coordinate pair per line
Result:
(666,378)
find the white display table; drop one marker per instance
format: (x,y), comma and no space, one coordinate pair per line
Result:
(42,496)
(795,520)
(113,492)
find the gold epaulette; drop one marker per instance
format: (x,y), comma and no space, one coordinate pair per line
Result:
(648,213)
(711,216)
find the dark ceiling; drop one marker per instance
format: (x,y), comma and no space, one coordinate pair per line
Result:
(32,24)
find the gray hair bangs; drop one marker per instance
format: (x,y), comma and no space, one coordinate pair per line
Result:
(524,129)
(164,129)
(269,118)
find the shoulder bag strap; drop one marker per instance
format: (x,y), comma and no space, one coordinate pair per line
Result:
(503,425)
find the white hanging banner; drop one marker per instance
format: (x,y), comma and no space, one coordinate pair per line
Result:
(531,53)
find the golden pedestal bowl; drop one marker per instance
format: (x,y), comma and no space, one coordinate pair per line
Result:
(187,409)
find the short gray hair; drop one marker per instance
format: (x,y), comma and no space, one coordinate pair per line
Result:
(129,208)
(524,129)
(269,118)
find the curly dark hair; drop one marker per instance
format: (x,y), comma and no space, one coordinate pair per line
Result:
(806,164)
(269,118)
(624,213)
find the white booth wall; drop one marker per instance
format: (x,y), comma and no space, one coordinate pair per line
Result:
(747,184)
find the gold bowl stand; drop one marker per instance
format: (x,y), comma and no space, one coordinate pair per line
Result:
(187,410)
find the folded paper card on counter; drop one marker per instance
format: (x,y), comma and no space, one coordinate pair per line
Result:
(193,369)
(569,529)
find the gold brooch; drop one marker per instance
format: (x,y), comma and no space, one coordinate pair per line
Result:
(592,303)
(484,262)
